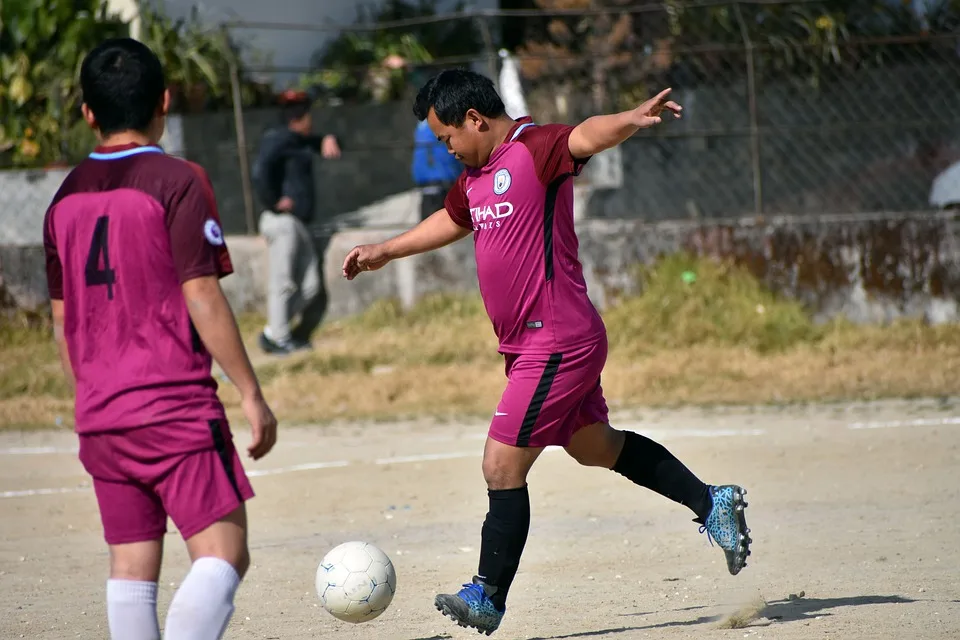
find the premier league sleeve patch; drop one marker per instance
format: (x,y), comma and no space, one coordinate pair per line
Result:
(213,233)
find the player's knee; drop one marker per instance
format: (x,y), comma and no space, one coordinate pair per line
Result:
(237,557)
(138,561)
(599,448)
(500,476)
(585,457)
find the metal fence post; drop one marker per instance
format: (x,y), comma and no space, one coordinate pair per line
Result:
(489,49)
(752,101)
(241,133)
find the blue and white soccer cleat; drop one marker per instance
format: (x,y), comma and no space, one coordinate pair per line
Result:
(471,607)
(727,525)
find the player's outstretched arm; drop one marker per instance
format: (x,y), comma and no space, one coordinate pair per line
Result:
(437,231)
(58,335)
(600,133)
(217,327)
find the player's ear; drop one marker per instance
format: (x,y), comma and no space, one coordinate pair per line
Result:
(165,103)
(474,120)
(88,116)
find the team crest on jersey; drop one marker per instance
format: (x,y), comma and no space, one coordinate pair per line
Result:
(211,230)
(501,182)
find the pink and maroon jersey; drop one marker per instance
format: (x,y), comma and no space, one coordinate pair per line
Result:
(128,226)
(520,207)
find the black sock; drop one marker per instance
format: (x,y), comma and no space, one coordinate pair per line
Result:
(649,464)
(503,537)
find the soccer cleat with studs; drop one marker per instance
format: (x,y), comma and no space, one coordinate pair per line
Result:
(471,607)
(727,525)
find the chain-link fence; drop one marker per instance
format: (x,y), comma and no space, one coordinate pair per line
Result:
(790,107)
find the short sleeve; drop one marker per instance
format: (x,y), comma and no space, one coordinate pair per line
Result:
(54,266)
(550,147)
(196,237)
(457,205)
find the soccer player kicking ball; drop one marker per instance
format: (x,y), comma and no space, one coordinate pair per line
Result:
(516,197)
(134,254)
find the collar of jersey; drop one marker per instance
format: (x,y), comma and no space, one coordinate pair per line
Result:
(123,151)
(519,125)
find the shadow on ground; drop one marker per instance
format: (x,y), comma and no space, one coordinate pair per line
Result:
(777,611)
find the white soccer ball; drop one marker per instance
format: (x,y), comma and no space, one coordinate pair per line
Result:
(356,582)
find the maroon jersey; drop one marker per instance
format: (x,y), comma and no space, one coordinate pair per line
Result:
(128,226)
(520,208)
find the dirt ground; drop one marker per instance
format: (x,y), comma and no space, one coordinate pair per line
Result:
(856,506)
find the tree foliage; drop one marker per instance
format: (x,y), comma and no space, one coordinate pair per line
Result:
(42,44)
(196,61)
(810,41)
(363,64)
(607,59)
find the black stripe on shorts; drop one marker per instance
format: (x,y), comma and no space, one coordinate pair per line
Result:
(224,453)
(539,397)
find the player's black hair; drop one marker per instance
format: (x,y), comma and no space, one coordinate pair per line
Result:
(294,105)
(123,85)
(294,111)
(453,92)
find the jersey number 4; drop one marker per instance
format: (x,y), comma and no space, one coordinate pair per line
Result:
(94,275)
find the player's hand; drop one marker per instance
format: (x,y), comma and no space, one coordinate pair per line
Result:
(284,205)
(366,257)
(329,147)
(263,426)
(648,113)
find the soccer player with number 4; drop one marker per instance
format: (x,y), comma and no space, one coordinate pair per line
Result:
(134,254)
(516,198)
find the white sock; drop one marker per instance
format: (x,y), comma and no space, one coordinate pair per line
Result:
(269,334)
(132,610)
(203,605)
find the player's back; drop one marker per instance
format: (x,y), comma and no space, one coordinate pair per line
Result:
(116,227)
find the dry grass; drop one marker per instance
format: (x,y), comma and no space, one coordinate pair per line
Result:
(721,339)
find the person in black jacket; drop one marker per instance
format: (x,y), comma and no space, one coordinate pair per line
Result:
(283,180)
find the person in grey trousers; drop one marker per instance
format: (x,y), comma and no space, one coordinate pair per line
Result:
(283,180)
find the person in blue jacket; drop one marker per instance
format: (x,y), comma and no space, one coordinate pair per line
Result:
(434,169)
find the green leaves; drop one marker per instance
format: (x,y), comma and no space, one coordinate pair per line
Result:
(193,55)
(42,43)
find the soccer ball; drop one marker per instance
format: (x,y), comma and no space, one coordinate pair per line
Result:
(356,582)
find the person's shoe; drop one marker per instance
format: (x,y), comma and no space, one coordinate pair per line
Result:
(472,607)
(282,348)
(727,525)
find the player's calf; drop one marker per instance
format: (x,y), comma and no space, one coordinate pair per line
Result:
(203,605)
(132,589)
(132,609)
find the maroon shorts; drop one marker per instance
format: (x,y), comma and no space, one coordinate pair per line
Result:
(189,472)
(549,398)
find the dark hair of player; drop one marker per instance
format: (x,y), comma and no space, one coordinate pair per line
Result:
(453,92)
(294,105)
(295,111)
(123,85)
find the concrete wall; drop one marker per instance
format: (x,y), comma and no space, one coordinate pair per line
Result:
(24,198)
(866,267)
(377,142)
